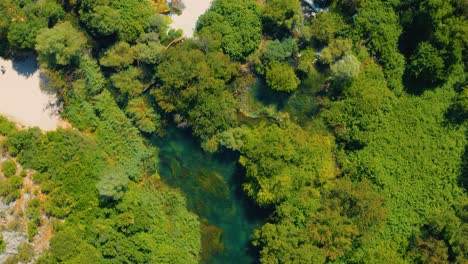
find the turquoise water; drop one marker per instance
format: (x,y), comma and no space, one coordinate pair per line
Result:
(213,190)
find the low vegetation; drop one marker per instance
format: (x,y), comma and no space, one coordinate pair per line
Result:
(350,126)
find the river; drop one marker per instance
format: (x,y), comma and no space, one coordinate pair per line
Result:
(212,185)
(23,100)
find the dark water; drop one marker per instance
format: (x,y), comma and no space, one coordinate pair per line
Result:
(212,184)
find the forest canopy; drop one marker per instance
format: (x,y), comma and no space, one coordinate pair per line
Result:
(347,121)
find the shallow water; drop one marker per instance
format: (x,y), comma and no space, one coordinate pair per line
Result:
(213,190)
(188,19)
(21,96)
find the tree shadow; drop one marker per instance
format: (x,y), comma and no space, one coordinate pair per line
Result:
(417,87)
(25,66)
(268,96)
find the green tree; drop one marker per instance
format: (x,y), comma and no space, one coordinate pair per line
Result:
(281,77)
(282,15)
(2,244)
(60,45)
(144,115)
(113,184)
(236,23)
(346,68)
(426,64)
(128,81)
(326,26)
(119,56)
(278,51)
(105,20)
(279,160)
(25,252)
(335,49)
(22,35)
(192,80)
(9,168)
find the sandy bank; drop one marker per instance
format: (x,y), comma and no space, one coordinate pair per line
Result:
(21,96)
(188,19)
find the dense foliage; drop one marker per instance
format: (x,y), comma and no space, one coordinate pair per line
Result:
(350,124)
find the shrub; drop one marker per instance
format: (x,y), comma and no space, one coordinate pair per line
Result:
(9,168)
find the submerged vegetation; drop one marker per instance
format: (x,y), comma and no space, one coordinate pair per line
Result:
(348,127)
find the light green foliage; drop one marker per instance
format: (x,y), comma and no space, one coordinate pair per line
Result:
(155,218)
(120,139)
(105,20)
(23,34)
(9,190)
(325,26)
(32,230)
(237,25)
(410,130)
(335,49)
(128,81)
(306,61)
(33,211)
(67,245)
(126,18)
(281,77)
(313,226)
(2,244)
(138,229)
(60,45)
(192,80)
(346,68)
(144,115)
(282,15)
(118,56)
(134,15)
(25,253)
(9,168)
(26,19)
(281,160)
(94,79)
(149,53)
(113,184)
(389,187)
(214,113)
(61,158)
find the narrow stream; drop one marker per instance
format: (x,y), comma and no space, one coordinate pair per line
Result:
(213,189)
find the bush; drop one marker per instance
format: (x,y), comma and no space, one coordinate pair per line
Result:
(10,189)
(281,77)
(25,252)
(6,126)
(2,244)
(9,168)
(32,230)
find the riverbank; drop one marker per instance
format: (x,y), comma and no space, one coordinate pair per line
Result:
(23,98)
(187,21)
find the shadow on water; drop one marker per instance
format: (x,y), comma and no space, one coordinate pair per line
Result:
(212,184)
(25,66)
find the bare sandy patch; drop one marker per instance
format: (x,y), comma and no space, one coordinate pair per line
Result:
(23,100)
(188,19)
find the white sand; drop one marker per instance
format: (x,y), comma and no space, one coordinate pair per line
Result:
(188,19)
(21,98)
